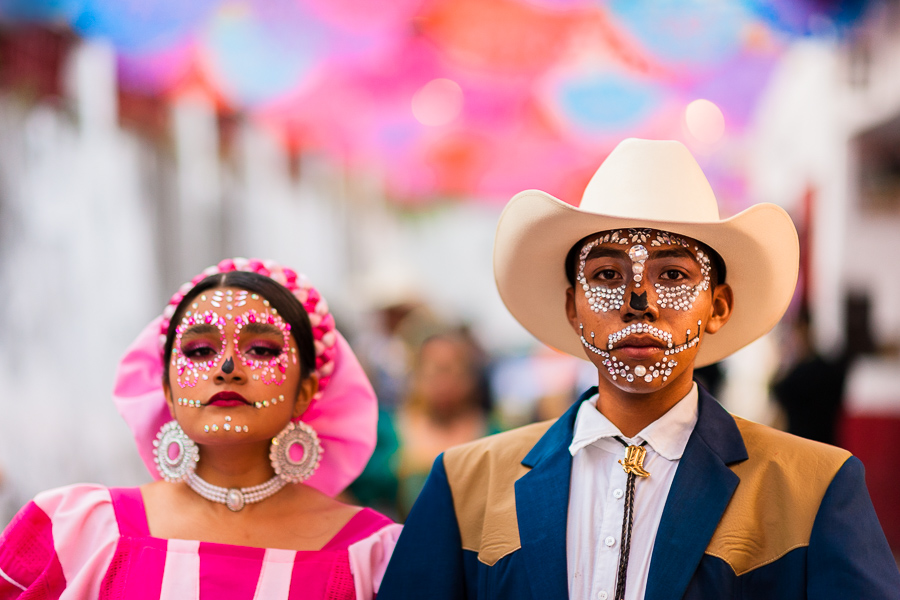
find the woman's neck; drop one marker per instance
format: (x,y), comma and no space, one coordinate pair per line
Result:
(242,465)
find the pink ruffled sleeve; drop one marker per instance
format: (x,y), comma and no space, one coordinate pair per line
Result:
(369,558)
(63,540)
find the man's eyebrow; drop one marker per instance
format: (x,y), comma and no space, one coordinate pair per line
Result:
(605,252)
(678,252)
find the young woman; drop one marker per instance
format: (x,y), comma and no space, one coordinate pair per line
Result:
(253,411)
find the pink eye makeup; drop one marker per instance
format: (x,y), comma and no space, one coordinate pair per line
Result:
(267,346)
(194,358)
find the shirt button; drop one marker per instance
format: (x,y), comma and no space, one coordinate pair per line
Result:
(610,541)
(602,596)
(617,493)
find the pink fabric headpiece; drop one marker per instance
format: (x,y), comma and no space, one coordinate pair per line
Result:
(344,412)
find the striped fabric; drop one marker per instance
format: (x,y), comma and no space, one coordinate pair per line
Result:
(92,542)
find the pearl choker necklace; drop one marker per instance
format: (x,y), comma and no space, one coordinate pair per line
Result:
(235,498)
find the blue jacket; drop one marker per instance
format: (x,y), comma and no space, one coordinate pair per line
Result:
(752,513)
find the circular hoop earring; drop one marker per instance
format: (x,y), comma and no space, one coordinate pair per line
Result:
(175,466)
(288,468)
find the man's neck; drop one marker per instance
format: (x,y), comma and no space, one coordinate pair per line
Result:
(632,412)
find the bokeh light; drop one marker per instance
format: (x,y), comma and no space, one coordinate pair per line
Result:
(438,102)
(704,121)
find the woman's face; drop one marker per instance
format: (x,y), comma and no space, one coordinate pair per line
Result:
(444,379)
(234,374)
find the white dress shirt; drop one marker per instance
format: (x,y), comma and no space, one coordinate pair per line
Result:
(597,497)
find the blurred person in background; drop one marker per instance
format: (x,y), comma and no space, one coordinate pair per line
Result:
(253,413)
(811,391)
(449,403)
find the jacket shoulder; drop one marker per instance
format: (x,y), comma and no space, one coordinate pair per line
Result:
(482,476)
(774,507)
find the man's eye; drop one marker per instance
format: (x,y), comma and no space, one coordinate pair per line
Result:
(606,274)
(672,275)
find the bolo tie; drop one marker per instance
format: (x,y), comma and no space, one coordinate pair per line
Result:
(633,465)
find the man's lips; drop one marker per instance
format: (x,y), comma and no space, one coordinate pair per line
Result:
(639,347)
(227,399)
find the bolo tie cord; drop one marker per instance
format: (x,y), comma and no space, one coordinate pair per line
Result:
(634,467)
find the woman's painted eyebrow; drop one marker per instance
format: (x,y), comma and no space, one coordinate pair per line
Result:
(201,329)
(261,329)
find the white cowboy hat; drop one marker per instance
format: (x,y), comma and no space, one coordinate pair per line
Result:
(652,184)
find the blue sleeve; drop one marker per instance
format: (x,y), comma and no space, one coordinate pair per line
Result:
(848,555)
(428,559)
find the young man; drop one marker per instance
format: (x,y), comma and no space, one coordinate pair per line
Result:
(646,487)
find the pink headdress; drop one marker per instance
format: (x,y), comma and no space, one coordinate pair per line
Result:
(344,412)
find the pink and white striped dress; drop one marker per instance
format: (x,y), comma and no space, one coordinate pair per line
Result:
(88,541)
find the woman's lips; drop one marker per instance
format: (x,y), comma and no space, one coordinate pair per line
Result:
(227,399)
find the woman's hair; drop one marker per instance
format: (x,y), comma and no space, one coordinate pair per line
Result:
(279,297)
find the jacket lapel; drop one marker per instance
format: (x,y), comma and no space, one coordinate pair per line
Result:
(701,490)
(542,505)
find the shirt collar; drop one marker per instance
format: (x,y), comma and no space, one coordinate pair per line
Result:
(667,436)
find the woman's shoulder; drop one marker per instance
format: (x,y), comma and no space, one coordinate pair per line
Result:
(74,499)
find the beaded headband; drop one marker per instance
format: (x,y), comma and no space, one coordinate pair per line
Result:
(344,412)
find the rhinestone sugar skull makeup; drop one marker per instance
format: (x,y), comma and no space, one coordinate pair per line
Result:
(189,370)
(599,297)
(272,370)
(617,368)
(678,297)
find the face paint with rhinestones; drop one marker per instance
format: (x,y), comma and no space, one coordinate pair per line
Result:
(682,296)
(269,362)
(617,368)
(194,358)
(599,297)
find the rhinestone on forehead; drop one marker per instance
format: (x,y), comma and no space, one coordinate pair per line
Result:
(277,365)
(189,371)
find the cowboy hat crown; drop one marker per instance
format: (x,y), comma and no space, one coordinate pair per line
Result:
(645,184)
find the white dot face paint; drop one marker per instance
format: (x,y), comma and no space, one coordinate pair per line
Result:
(641,345)
(600,297)
(681,297)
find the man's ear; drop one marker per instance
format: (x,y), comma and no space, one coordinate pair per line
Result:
(308,389)
(722,305)
(571,313)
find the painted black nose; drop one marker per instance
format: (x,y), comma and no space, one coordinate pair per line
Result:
(228,365)
(637,302)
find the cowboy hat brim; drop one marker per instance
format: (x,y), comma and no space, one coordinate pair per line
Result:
(536,231)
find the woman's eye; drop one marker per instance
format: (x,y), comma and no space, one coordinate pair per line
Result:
(199,352)
(264,351)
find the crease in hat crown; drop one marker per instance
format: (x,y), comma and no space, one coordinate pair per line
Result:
(657,180)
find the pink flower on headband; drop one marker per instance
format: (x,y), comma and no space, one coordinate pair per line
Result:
(319,317)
